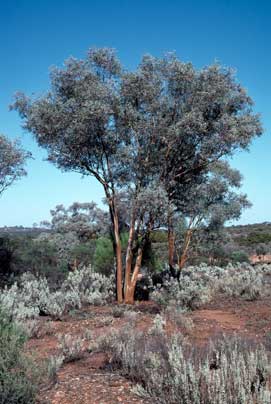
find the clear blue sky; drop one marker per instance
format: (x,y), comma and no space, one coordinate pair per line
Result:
(36,34)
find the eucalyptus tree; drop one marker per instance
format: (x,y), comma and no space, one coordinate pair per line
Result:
(192,118)
(208,206)
(12,161)
(74,230)
(158,127)
(85,220)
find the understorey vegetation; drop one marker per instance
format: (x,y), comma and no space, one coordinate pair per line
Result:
(198,285)
(31,297)
(20,376)
(168,370)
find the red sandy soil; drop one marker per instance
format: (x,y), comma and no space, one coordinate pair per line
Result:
(87,381)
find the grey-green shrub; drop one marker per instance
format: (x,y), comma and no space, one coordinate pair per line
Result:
(169,371)
(198,285)
(32,296)
(19,378)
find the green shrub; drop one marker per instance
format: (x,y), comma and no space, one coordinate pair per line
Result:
(83,253)
(239,256)
(18,375)
(104,256)
(159,236)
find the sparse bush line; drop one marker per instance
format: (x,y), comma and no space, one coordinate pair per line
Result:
(31,296)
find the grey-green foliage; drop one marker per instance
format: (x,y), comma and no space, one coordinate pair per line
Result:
(33,296)
(243,281)
(95,110)
(206,207)
(168,371)
(200,284)
(74,231)
(194,288)
(71,348)
(160,126)
(85,220)
(12,161)
(19,377)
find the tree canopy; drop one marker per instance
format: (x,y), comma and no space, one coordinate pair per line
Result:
(12,161)
(159,127)
(85,220)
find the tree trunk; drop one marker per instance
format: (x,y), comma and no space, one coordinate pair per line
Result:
(117,245)
(187,241)
(171,241)
(118,259)
(129,296)
(129,255)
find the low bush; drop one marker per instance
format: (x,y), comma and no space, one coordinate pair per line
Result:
(246,282)
(31,296)
(169,371)
(198,285)
(72,349)
(19,378)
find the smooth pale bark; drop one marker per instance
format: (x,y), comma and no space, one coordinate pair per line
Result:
(187,241)
(118,259)
(117,243)
(129,255)
(75,264)
(129,297)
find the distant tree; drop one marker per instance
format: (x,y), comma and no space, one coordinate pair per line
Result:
(147,133)
(208,206)
(12,161)
(74,232)
(85,220)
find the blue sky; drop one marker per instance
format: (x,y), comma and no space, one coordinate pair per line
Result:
(36,34)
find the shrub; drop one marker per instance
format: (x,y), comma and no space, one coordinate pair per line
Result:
(32,296)
(71,348)
(104,256)
(198,285)
(86,286)
(245,281)
(177,316)
(19,377)
(169,371)
(239,256)
(193,289)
